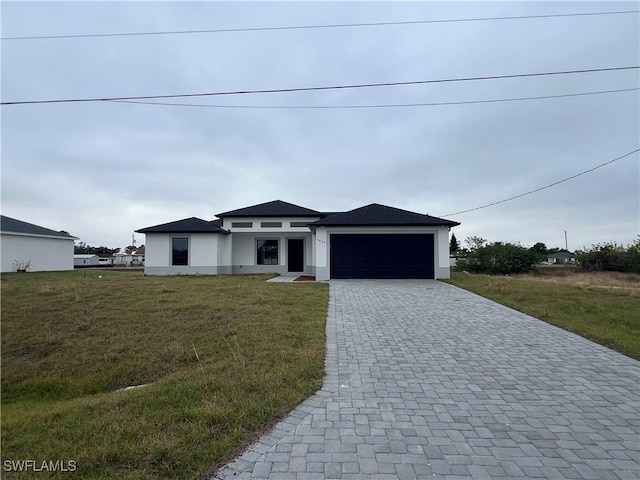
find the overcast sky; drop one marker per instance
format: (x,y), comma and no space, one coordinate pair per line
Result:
(100,170)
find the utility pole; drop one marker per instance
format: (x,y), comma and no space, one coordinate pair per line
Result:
(566,245)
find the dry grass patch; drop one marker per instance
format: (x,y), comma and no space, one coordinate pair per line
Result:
(602,306)
(221,357)
(570,277)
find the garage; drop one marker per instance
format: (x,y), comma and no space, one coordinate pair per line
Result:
(382,256)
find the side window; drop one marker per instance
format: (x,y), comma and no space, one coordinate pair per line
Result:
(180,251)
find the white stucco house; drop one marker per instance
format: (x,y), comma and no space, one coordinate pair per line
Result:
(81,260)
(561,256)
(374,241)
(38,248)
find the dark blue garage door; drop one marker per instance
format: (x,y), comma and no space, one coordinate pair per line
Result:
(382,256)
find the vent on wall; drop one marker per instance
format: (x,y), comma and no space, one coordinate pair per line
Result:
(241,224)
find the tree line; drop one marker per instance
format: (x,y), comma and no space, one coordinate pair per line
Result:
(83,248)
(504,258)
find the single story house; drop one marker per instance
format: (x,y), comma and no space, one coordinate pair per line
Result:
(128,259)
(29,247)
(374,241)
(105,259)
(86,260)
(561,256)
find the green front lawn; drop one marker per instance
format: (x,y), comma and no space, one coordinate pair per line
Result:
(222,358)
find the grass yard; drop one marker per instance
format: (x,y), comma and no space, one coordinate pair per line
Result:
(222,359)
(601,306)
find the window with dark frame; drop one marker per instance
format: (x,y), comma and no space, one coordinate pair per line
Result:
(179,251)
(267,252)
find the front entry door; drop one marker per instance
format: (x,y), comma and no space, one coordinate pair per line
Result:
(295,256)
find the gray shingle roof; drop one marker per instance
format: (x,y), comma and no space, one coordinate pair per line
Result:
(276,208)
(382,215)
(187,225)
(11,225)
(561,254)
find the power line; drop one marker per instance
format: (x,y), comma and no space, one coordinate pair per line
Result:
(545,187)
(307,27)
(309,89)
(392,105)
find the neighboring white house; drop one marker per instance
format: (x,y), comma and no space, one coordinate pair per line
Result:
(374,241)
(86,260)
(561,256)
(130,257)
(27,246)
(105,259)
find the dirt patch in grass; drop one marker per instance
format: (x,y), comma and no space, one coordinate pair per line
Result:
(222,358)
(602,306)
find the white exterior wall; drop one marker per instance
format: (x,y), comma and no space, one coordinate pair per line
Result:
(244,257)
(225,243)
(442,267)
(440,244)
(204,254)
(243,250)
(157,248)
(45,253)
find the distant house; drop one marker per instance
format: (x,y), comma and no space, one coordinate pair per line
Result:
(105,259)
(30,247)
(86,260)
(561,256)
(130,257)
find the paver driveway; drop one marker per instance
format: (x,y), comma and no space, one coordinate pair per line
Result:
(425,380)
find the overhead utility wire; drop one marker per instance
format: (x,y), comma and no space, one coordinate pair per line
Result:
(545,187)
(306,27)
(391,105)
(310,89)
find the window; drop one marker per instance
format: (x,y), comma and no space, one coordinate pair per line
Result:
(180,251)
(299,224)
(267,252)
(270,224)
(241,224)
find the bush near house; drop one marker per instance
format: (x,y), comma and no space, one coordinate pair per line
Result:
(611,257)
(498,258)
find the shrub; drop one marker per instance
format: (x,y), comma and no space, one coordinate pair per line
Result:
(498,259)
(611,257)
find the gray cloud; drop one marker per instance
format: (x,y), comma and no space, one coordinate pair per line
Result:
(101,170)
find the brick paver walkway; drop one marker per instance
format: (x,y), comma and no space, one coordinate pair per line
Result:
(428,381)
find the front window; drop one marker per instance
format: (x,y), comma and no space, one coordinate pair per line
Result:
(180,251)
(267,252)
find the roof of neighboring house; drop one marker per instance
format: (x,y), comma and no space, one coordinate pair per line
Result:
(382,215)
(561,254)
(11,225)
(85,255)
(276,208)
(187,225)
(105,255)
